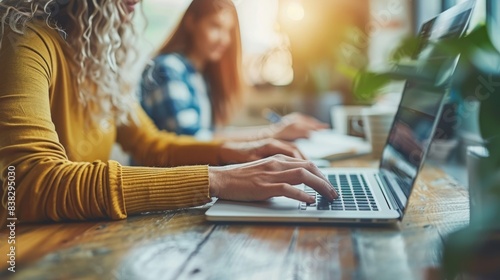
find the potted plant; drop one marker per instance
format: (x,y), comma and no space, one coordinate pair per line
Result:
(476,248)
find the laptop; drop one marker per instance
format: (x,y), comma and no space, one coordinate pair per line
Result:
(377,195)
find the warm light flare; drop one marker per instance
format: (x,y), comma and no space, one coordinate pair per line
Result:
(277,69)
(295,11)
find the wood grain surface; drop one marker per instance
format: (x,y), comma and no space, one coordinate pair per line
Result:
(183,245)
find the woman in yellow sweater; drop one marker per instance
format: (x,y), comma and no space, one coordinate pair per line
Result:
(66,97)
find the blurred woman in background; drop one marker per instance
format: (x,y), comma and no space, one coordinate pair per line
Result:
(194,83)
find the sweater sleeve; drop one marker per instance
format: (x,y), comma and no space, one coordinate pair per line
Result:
(152,147)
(50,187)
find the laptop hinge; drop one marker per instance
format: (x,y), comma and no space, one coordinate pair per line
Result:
(391,196)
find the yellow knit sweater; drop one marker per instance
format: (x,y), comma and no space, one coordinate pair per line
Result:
(62,171)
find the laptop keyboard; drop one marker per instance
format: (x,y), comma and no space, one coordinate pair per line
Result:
(354,195)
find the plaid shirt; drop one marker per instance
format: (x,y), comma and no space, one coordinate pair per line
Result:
(175,95)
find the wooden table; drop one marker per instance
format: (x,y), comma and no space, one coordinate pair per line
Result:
(182,245)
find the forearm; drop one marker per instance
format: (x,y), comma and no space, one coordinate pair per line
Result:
(151,147)
(61,190)
(52,189)
(241,134)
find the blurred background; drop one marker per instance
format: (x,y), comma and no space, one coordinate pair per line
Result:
(302,55)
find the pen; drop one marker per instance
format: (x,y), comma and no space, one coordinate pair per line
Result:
(271,116)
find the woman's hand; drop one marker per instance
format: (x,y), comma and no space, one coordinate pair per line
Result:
(269,177)
(240,152)
(295,126)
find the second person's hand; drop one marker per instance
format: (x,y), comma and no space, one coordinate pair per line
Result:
(296,125)
(240,152)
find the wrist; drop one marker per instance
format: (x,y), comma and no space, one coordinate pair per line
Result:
(224,152)
(269,131)
(213,182)
(233,152)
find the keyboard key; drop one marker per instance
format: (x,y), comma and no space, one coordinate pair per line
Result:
(354,195)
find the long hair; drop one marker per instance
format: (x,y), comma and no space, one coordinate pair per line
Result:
(224,75)
(100,38)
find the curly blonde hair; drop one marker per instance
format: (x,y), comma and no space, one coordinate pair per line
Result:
(102,36)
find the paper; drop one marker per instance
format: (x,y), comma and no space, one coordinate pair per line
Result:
(330,145)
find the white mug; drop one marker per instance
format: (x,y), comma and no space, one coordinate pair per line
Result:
(346,119)
(377,123)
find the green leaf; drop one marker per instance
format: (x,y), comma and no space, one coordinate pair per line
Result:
(368,84)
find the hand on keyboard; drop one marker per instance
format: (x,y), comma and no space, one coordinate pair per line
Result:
(355,195)
(269,177)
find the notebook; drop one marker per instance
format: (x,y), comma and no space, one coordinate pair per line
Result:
(330,145)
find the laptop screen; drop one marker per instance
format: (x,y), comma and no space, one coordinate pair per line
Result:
(419,110)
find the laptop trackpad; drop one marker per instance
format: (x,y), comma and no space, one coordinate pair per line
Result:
(275,203)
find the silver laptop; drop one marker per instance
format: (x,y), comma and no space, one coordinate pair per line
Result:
(377,195)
